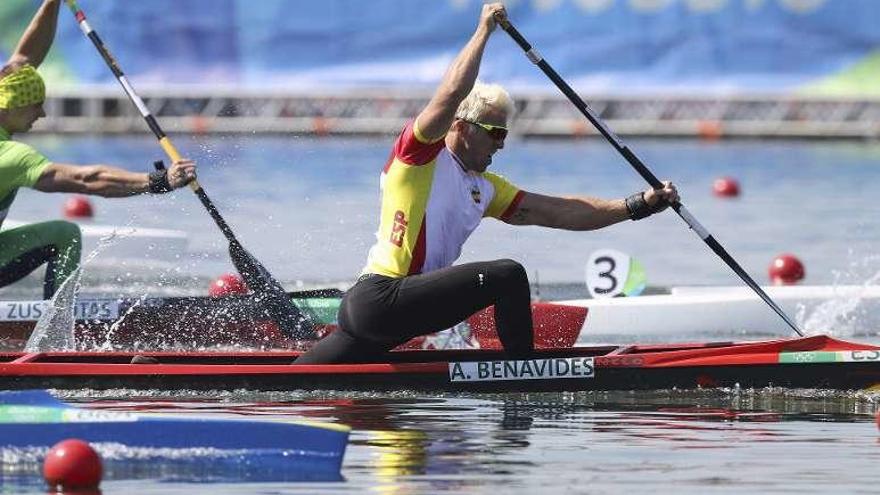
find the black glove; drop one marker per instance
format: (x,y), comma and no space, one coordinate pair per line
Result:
(638,208)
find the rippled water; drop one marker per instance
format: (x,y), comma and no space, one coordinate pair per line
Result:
(736,441)
(307,209)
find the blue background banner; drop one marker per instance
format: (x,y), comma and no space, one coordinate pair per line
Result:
(611,46)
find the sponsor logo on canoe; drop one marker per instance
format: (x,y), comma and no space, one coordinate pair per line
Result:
(528,369)
(33,310)
(622,361)
(91,416)
(39,414)
(866,355)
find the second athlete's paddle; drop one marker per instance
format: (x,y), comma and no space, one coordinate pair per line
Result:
(269,292)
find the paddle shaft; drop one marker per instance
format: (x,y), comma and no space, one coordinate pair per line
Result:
(153,124)
(640,167)
(276,302)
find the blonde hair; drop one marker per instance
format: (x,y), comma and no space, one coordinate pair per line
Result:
(482,98)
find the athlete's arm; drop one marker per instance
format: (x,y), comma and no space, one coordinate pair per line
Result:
(107,181)
(436,118)
(37,38)
(576,213)
(580,213)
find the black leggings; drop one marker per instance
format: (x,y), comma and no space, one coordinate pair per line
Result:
(380,313)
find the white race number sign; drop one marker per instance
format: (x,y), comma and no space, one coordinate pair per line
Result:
(610,273)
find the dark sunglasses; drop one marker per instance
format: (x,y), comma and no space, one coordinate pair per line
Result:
(495,132)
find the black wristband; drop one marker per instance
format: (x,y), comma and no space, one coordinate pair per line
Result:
(159,182)
(637,206)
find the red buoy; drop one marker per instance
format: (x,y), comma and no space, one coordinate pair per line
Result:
(710,130)
(78,207)
(72,465)
(725,187)
(228,284)
(786,269)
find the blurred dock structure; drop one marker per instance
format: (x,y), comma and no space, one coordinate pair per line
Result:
(665,68)
(105,110)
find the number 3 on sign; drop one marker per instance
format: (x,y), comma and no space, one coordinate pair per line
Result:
(610,273)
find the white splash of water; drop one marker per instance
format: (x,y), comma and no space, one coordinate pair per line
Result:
(107,345)
(54,330)
(848,312)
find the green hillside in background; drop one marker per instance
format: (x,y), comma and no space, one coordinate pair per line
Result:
(862,79)
(14,18)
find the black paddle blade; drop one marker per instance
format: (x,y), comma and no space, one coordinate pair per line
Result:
(269,294)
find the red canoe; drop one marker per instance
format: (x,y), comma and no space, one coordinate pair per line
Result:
(812,362)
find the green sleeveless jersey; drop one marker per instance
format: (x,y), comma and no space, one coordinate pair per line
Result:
(20,166)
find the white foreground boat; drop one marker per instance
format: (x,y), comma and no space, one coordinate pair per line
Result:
(713,312)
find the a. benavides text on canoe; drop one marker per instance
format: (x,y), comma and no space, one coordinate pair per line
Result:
(529,369)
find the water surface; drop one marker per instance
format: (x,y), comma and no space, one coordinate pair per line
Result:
(307,208)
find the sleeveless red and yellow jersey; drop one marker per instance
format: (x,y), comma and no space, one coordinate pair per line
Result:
(430,206)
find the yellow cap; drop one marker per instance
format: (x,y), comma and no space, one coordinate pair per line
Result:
(22,88)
